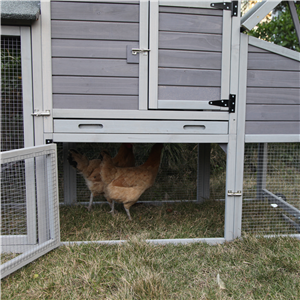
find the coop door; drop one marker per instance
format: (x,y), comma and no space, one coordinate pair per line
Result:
(29,205)
(189,57)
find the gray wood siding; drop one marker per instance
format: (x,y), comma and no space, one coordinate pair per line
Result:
(189,54)
(89,55)
(273,93)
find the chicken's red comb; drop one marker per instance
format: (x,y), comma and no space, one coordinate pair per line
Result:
(128,145)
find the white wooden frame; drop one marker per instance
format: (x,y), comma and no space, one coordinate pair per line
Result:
(52,240)
(257,13)
(27,97)
(154,102)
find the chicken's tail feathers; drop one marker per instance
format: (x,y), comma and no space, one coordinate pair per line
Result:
(77,160)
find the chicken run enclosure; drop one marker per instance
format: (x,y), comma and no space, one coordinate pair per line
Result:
(92,75)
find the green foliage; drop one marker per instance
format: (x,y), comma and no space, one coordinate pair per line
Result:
(280,30)
(10,70)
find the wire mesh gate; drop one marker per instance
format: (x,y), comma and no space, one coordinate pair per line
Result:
(29,206)
(271,202)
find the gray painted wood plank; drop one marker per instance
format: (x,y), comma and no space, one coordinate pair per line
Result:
(255,127)
(99,1)
(188,77)
(258,78)
(94,11)
(273,96)
(252,49)
(190,23)
(189,41)
(93,67)
(188,93)
(90,48)
(95,102)
(273,113)
(95,85)
(271,61)
(95,30)
(189,59)
(193,11)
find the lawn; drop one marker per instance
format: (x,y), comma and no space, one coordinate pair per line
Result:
(251,268)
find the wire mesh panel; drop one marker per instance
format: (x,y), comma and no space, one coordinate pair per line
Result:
(12,129)
(29,205)
(271,202)
(177,176)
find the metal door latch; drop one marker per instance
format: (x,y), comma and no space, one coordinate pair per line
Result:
(38,113)
(135,51)
(231,193)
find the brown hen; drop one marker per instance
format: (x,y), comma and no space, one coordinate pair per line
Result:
(126,185)
(90,169)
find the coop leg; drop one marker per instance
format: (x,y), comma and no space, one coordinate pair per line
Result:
(203,172)
(69,177)
(262,164)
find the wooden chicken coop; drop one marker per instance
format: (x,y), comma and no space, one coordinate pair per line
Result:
(157,72)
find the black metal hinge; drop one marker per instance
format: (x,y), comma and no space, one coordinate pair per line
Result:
(233,6)
(225,103)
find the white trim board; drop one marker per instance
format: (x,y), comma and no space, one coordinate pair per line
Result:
(250,20)
(139,114)
(210,241)
(139,138)
(272,138)
(253,41)
(10,30)
(186,3)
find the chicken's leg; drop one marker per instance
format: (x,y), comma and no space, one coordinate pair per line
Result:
(112,206)
(128,213)
(91,202)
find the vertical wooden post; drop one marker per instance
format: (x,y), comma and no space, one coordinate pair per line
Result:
(203,172)
(70,196)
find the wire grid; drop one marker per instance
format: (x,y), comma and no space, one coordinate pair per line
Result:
(271,169)
(12,130)
(29,178)
(177,176)
(13,198)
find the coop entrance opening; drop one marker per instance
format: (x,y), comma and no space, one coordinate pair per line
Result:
(185,201)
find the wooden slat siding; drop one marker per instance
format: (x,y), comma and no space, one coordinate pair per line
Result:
(90,48)
(111,12)
(273,96)
(189,41)
(273,93)
(95,102)
(190,93)
(94,30)
(271,61)
(252,49)
(274,127)
(95,85)
(89,55)
(100,1)
(273,112)
(189,59)
(194,74)
(188,77)
(190,23)
(192,11)
(94,67)
(275,79)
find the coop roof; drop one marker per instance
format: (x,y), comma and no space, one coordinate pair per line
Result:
(19,12)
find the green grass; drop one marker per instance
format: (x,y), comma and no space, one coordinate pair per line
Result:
(181,220)
(252,268)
